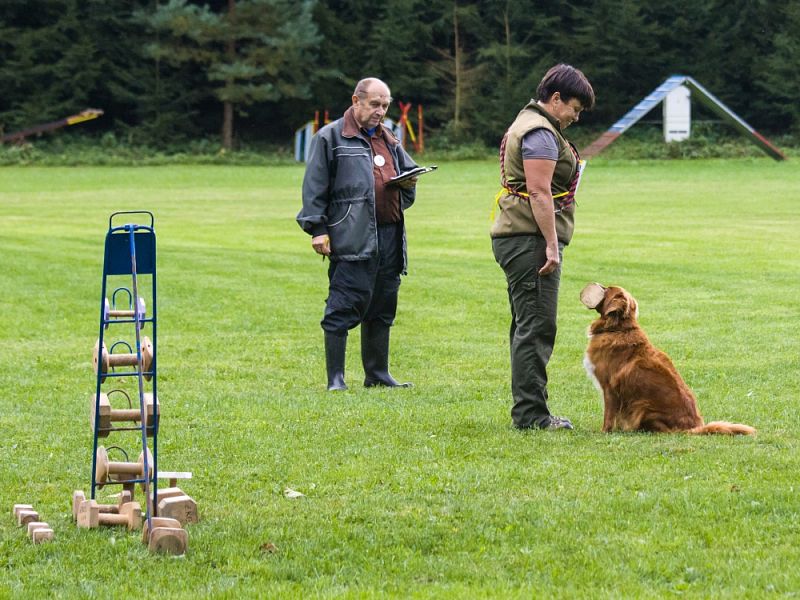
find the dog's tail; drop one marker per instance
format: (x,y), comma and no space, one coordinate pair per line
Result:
(723,428)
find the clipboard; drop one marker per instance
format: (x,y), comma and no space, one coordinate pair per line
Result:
(412,173)
(581,168)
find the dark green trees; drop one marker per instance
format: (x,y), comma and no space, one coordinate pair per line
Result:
(251,51)
(165,70)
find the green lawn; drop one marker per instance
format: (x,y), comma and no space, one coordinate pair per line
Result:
(427,492)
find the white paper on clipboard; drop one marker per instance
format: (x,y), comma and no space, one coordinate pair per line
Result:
(581,167)
(412,173)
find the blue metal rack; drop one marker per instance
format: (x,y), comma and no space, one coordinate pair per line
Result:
(130,250)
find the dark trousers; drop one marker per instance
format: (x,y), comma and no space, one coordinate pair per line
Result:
(534,302)
(365,290)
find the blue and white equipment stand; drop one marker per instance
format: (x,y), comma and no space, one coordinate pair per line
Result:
(130,253)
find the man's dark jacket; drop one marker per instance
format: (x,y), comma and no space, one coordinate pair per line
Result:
(339,190)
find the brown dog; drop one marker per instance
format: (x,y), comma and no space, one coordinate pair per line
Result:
(642,390)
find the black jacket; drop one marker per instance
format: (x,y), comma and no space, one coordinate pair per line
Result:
(339,190)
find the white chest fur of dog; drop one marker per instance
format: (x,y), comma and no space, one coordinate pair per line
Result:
(589,366)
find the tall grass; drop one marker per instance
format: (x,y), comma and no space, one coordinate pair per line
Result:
(426,492)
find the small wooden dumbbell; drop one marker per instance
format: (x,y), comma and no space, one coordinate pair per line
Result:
(115,313)
(78,496)
(182,508)
(42,534)
(27,516)
(89,515)
(592,295)
(107,415)
(19,507)
(39,532)
(34,525)
(167,536)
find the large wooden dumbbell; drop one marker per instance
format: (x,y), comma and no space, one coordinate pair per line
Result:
(104,360)
(174,503)
(105,469)
(108,415)
(78,497)
(180,507)
(89,515)
(167,536)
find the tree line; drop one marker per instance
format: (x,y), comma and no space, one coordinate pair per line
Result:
(167,71)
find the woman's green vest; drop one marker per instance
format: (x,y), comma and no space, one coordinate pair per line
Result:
(513,214)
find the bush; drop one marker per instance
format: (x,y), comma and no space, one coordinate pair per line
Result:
(109,150)
(644,141)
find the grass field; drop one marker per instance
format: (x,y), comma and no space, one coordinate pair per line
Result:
(426,492)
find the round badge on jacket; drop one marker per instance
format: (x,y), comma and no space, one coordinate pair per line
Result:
(379,160)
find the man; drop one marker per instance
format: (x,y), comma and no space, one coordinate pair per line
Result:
(355,217)
(539,174)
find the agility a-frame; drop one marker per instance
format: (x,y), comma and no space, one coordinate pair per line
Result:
(699,93)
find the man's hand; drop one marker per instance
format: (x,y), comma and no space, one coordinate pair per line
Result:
(321,244)
(409,183)
(551,252)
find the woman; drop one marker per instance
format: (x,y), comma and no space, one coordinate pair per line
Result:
(534,221)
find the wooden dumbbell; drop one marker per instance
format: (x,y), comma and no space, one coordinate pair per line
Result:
(42,534)
(592,295)
(108,415)
(157,522)
(78,496)
(34,525)
(169,492)
(104,360)
(168,536)
(27,516)
(182,508)
(19,507)
(89,515)
(124,470)
(39,532)
(114,313)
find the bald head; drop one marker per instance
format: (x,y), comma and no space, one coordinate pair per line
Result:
(369,84)
(371,100)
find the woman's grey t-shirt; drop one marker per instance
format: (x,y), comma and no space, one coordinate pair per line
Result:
(540,143)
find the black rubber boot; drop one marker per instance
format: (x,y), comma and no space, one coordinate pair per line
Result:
(375,355)
(335,347)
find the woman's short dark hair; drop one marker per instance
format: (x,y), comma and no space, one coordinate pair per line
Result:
(570,82)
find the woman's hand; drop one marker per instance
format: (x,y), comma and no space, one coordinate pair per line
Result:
(553,259)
